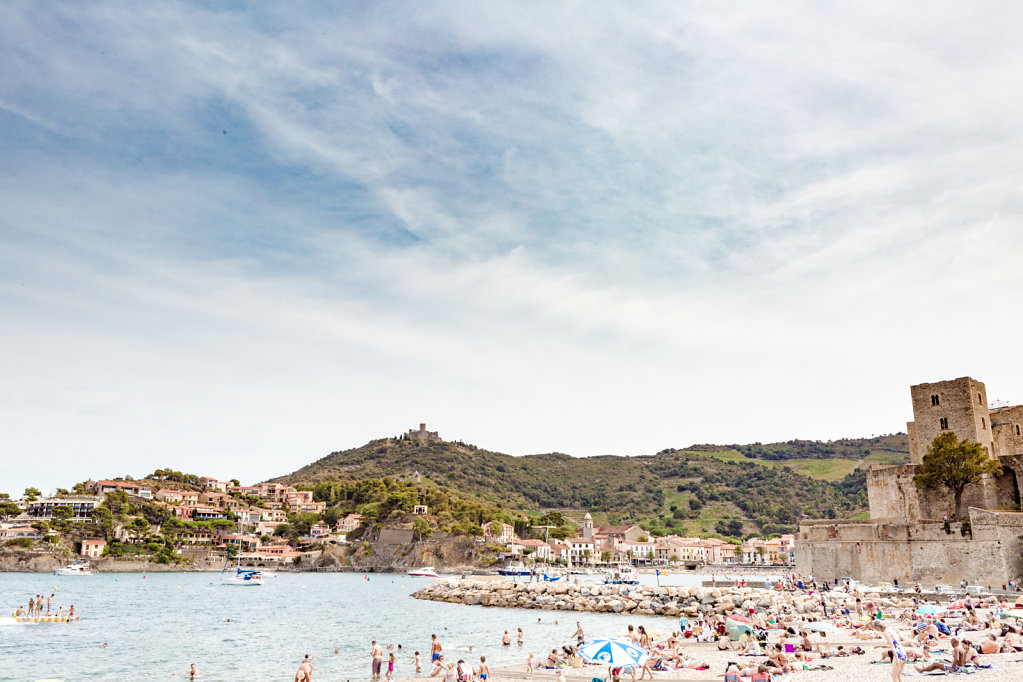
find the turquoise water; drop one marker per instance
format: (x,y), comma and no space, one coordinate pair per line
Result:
(156,626)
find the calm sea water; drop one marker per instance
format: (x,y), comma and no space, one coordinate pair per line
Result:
(156,625)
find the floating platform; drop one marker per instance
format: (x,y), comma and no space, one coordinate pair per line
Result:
(42,619)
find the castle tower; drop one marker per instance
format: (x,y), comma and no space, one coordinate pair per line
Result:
(587,527)
(958,405)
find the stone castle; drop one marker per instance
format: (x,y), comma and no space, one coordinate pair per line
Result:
(907,537)
(422,435)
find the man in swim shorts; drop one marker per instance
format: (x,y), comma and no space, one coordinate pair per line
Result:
(435,648)
(378,658)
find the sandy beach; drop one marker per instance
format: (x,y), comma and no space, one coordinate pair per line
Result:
(854,668)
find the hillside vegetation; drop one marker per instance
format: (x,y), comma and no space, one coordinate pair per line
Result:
(731,490)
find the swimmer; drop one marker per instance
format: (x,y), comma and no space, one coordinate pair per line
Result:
(337,650)
(103,645)
(193,672)
(520,637)
(506,640)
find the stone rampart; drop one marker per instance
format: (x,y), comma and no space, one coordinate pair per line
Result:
(990,552)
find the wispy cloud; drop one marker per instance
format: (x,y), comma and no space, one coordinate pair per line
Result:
(235,240)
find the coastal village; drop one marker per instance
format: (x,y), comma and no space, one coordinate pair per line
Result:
(247,522)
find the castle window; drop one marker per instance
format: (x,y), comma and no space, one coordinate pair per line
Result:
(943,423)
(935,400)
(980,401)
(983,423)
(1017,429)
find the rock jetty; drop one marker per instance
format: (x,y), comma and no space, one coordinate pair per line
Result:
(642,600)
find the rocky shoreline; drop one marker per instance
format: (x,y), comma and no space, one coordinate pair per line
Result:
(641,600)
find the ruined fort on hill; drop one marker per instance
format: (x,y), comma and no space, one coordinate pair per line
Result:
(907,536)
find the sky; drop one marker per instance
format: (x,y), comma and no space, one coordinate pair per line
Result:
(234,239)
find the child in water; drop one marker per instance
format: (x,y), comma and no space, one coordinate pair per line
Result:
(390,666)
(419,665)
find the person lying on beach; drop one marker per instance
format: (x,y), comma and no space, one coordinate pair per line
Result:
(1013,641)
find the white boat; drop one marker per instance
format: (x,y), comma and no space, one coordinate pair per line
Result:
(77,568)
(242,577)
(424,572)
(622,575)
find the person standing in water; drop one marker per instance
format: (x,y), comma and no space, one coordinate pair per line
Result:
(435,648)
(377,653)
(520,637)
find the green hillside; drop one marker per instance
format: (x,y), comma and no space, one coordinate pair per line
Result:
(731,489)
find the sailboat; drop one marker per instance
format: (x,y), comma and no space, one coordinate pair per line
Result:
(239,576)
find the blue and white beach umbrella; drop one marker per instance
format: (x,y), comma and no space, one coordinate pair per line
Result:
(930,610)
(617,653)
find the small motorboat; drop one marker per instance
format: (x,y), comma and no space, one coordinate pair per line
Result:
(424,572)
(77,568)
(622,575)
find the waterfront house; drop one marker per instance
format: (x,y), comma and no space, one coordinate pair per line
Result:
(580,551)
(539,550)
(93,548)
(349,523)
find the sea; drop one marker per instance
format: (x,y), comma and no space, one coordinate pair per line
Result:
(156,625)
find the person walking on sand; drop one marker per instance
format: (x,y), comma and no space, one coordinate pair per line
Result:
(435,648)
(898,654)
(484,670)
(529,664)
(377,652)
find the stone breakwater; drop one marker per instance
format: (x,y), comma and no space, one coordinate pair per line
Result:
(642,600)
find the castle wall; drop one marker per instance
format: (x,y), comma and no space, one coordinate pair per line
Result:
(918,552)
(893,496)
(1007,430)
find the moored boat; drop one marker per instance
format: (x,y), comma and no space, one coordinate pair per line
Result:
(514,568)
(424,572)
(622,575)
(77,568)
(241,576)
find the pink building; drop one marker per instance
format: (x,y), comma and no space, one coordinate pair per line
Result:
(93,548)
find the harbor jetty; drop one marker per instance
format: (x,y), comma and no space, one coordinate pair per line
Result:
(641,600)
